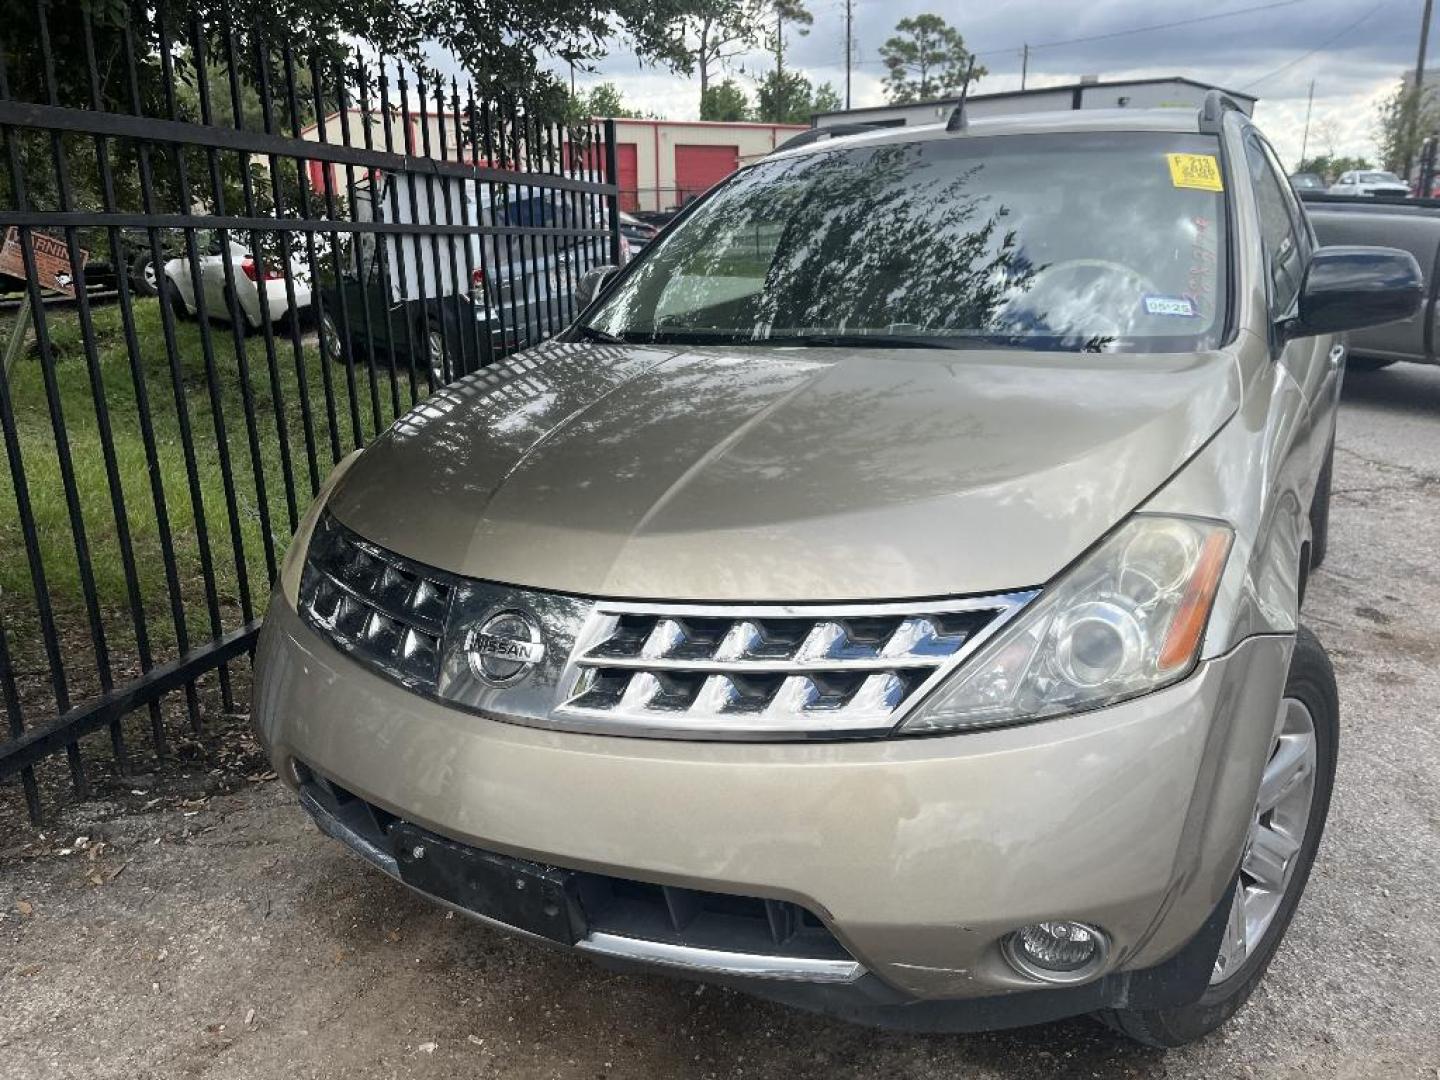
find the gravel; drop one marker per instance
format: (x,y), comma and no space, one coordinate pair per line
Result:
(224,937)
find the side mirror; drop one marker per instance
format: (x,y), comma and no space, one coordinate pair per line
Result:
(591,283)
(1349,288)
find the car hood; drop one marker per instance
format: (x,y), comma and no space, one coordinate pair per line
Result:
(781,474)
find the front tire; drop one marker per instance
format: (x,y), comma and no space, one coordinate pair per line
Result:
(144,277)
(1272,872)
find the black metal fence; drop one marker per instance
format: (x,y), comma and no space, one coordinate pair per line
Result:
(273,255)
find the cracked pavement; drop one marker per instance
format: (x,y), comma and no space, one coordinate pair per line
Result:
(235,941)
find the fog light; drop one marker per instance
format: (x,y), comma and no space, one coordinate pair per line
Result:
(1057,952)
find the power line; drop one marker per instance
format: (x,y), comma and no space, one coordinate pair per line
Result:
(1324,44)
(1149,28)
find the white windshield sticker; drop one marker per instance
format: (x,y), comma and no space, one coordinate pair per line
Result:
(1180,306)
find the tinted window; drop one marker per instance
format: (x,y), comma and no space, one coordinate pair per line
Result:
(1075,241)
(1283,253)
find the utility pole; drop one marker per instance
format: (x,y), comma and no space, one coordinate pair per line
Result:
(1414,111)
(849,46)
(1305,138)
(1024,64)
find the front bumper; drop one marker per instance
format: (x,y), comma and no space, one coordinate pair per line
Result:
(919,854)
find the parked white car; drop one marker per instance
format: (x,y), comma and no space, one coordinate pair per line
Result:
(246,272)
(1363,182)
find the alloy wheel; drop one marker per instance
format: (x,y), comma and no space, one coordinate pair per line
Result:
(435,346)
(1276,837)
(334,347)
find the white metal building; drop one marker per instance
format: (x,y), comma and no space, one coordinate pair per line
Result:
(661,164)
(1088,93)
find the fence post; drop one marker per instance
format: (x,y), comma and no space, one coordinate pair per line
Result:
(612,176)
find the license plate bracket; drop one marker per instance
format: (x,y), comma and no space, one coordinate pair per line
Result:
(539,899)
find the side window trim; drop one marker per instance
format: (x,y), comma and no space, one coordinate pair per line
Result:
(1255,155)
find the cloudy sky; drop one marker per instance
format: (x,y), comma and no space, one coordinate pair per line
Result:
(1355,50)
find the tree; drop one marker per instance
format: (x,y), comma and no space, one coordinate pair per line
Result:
(605,100)
(788,98)
(719,31)
(727,102)
(827,99)
(1329,167)
(777,86)
(926,59)
(1406,118)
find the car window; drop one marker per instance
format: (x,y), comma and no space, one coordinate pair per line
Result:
(1108,241)
(1284,253)
(1292,201)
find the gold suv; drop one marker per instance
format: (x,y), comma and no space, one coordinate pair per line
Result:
(884,598)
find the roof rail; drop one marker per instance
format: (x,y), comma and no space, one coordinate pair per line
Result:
(834,131)
(1212,111)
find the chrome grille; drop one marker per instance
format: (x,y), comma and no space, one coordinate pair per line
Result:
(721,671)
(658,670)
(375,605)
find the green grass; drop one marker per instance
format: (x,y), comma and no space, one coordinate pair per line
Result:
(75,400)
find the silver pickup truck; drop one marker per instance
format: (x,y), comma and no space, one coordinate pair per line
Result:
(1410,224)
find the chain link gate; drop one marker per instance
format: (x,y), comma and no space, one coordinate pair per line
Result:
(272,257)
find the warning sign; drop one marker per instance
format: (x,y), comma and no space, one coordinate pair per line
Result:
(52,261)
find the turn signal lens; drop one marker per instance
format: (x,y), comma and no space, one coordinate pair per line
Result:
(1128,618)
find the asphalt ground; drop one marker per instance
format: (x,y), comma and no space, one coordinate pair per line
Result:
(224,937)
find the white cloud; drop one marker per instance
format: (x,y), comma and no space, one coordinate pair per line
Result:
(1361,63)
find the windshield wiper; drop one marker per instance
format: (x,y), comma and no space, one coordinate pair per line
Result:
(591,333)
(862,341)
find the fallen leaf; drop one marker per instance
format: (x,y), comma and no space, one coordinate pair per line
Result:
(96,879)
(427,1048)
(25,907)
(30,969)
(393,935)
(250,1018)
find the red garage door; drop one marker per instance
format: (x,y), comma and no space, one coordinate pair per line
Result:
(627,165)
(700,167)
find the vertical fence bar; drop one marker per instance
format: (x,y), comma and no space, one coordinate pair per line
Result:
(261,264)
(238,324)
(355,255)
(612,200)
(330,345)
(392,187)
(434,355)
(137,375)
(107,442)
(379,244)
(177,378)
(332,215)
(15,723)
(277,188)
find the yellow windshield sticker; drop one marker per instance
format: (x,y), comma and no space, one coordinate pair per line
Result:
(1200,171)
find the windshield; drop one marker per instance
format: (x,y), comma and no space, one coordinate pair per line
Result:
(1379,178)
(1086,241)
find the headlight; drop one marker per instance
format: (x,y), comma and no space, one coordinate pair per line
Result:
(1127,619)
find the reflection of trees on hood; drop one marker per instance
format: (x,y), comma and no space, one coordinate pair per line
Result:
(876,244)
